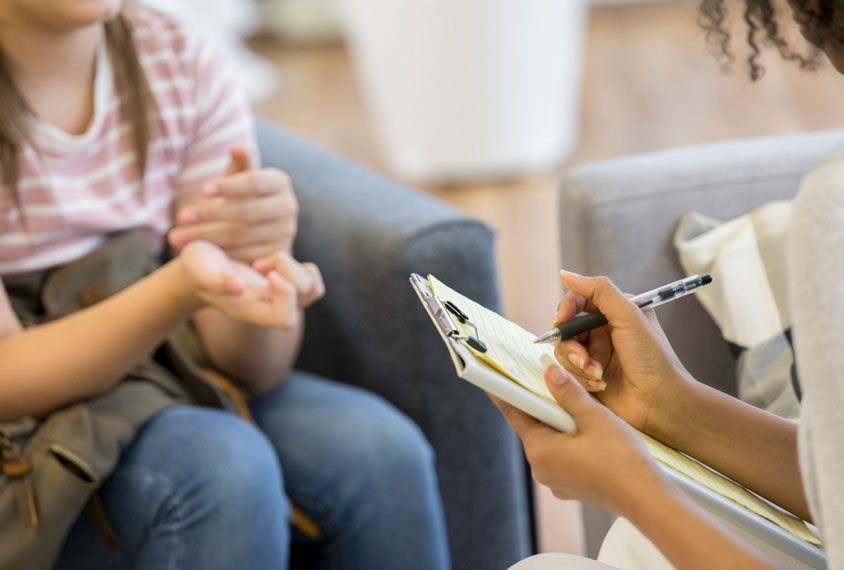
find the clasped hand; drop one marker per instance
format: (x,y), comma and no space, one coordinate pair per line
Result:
(236,242)
(271,292)
(249,213)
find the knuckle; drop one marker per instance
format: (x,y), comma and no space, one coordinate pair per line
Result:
(560,353)
(293,206)
(248,211)
(284,179)
(319,290)
(274,180)
(603,282)
(569,391)
(257,180)
(232,235)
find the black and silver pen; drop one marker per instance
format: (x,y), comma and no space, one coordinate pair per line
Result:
(652,298)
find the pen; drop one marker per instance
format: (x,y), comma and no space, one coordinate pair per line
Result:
(652,298)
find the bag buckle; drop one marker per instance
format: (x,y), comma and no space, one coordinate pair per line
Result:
(17,467)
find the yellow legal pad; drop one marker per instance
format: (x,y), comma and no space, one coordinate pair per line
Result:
(510,351)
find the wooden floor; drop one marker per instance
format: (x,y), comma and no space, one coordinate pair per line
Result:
(648,84)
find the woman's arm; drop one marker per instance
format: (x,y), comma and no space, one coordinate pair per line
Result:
(605,463)
(754,447)
(687,536)
(647,386)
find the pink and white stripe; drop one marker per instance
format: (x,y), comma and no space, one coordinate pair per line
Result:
(75,190)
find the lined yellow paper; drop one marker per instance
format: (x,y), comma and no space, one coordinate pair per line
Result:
(510,348)
(511,351)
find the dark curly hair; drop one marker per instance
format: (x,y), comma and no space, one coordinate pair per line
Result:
(818,18)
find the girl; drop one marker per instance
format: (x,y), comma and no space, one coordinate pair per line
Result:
(113,119)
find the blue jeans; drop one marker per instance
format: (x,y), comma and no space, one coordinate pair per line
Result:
(201,488)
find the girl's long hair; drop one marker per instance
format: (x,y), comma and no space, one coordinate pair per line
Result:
(133,87)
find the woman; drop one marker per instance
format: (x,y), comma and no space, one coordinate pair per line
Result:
(113,119)
(630,367)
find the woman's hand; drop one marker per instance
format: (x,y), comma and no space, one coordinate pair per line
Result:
(629,363)
(248,213)
(602,461)
(241,292)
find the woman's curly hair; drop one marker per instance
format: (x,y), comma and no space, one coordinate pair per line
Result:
(816,17)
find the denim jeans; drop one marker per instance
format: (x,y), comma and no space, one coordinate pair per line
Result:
(201,488)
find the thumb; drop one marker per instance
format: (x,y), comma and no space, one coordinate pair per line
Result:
(239,160)
(568,392)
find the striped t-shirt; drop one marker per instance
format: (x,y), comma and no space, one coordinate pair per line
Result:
(74,190)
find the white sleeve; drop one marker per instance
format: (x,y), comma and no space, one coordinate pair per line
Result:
(816,289)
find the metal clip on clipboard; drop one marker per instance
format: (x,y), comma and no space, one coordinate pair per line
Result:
(441,311)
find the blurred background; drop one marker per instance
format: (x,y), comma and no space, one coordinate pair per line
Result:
(484,103)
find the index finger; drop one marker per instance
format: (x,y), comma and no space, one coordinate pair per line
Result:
(570,305)
(249,183)
(604,296)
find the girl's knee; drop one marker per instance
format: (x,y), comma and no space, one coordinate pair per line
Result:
(214,453)
(388,443)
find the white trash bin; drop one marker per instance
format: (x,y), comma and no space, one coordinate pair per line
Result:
(467,89)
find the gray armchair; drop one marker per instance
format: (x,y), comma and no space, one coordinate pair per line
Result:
(617,218)
(367,234)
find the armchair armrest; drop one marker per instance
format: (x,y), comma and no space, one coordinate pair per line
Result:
(617,218)
(367,234)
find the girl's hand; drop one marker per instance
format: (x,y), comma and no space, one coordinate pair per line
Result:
(629,363)
(602,461)
(248,213)
(305,277)
(238,290)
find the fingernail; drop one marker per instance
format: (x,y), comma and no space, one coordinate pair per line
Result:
(556,376)
(210,190)
(577,360)
(598,386)
(178,238)
(595,371)
(564,273)
(188,216)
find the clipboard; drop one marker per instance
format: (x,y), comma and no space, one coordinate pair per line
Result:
(470,368)
(464,349)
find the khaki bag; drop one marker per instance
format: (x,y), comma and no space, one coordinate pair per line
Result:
(51,468)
